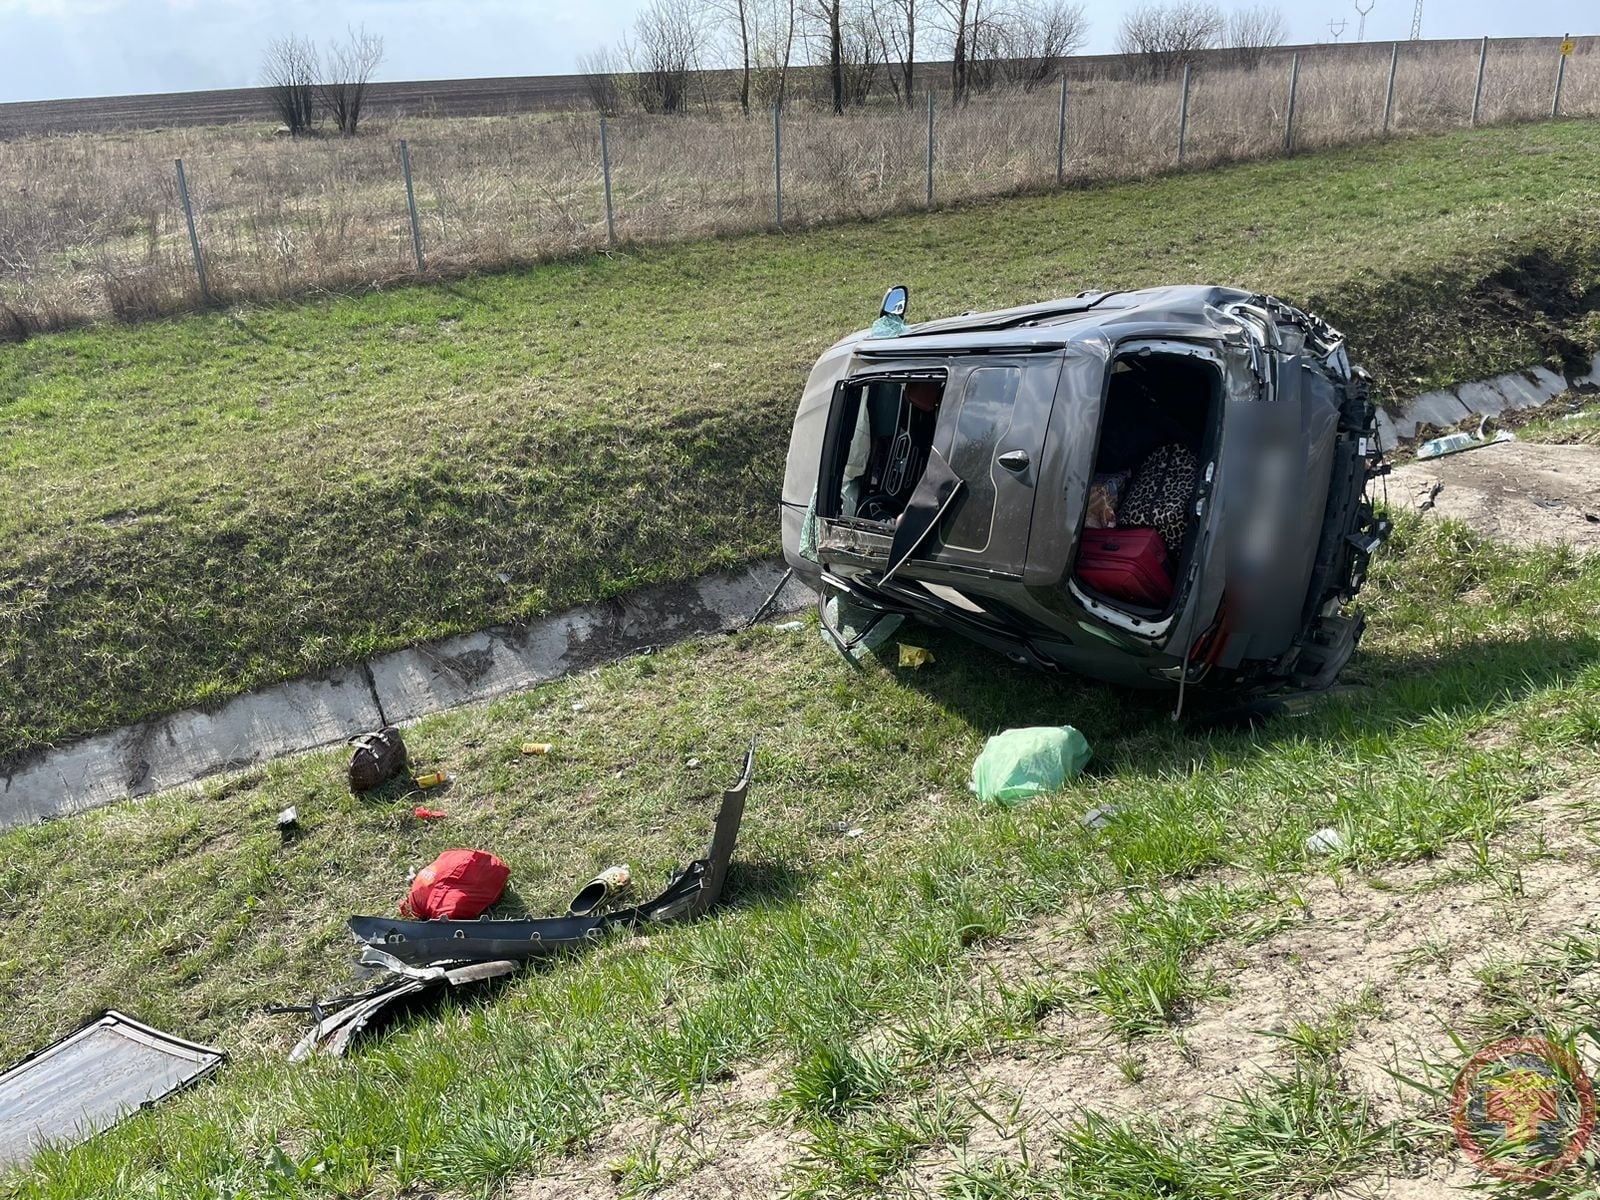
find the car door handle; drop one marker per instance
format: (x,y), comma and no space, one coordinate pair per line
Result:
(1015,460)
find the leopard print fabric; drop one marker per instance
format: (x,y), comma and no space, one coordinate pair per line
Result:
(1162,494)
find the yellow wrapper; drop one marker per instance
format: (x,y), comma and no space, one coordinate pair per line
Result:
(914,656)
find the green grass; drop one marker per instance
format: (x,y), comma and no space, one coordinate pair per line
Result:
(854,966)
(1580,426)
(196,507)
(1292,1136)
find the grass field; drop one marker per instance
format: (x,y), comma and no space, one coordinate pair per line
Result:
(868,1014)
(1579,426)
(193,508)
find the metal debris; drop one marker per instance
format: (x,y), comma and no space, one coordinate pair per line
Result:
(90,1080)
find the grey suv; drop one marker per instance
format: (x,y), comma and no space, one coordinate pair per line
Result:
(1160,488)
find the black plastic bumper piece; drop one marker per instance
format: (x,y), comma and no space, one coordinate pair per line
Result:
(687,895)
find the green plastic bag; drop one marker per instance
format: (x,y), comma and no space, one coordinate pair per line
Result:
(1020,763)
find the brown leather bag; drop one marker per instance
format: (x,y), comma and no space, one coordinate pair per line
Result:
(378,758)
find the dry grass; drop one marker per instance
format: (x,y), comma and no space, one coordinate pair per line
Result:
(91,227)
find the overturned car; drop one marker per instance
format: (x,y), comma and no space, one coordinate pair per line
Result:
(1160,488)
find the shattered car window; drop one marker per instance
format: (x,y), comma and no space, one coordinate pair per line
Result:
(984,420)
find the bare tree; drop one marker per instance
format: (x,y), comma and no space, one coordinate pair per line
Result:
(289,72)
(859,55)
(1024,45)
(774,26)
(348,68)
(1159,39)
(824,28)
(894,22)
(739,18)
(987,22)
(600,81)
(955,16)
(1253,31)
(664,55)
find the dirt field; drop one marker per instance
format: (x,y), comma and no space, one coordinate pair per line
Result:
(1375,976)
(1515,492)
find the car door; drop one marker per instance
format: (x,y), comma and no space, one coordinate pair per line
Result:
(991,434)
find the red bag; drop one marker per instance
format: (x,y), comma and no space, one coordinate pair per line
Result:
(459,885)
(1126,564)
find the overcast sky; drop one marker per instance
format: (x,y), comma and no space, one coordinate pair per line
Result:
(56,48)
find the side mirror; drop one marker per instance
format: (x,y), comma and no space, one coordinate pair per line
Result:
(895,301)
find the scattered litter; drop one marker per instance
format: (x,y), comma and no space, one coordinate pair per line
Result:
(1454,443)
(378,757)
(772,598)
(854,833)
(89,1080)
(790,627)
(418,956)
(428,814)
(433,779)
(601,891)
(1428,493)
(1325,841)
(856,629)
(692,763)
(716,366)
(915,657)
(1021,763)
(537,747)
(332,1034)
(503,577)
(1099,817)
(289,822)
(577,706)
(459,885)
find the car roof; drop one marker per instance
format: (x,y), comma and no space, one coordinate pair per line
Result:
(1194,310)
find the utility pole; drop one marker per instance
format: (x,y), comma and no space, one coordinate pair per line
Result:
(1416,22)
(1361,29)
(1338,27)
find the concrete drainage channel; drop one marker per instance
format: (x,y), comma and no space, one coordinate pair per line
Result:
(1511,392)
(306,714)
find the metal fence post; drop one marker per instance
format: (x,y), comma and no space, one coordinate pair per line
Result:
(1061,136)
(605,171)
(777,161)
(1477,88)
(194,238)
(1561,71)
(1388,100)
(1294,90)
(411,203)
(1183,113)
(930,147)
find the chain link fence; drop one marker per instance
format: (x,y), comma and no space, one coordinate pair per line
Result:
(94,225)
